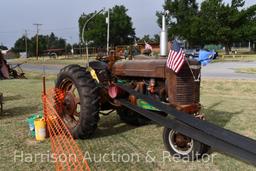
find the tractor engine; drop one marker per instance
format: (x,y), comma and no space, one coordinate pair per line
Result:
(153,78)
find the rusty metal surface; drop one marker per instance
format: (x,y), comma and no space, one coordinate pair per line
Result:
(140,68)
(183,90)
(4,70)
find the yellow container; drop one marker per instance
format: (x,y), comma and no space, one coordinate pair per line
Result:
(40,129)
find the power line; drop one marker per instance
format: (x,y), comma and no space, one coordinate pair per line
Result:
(57,29)
(50,29)
(9,32)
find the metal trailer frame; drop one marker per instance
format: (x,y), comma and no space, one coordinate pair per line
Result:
(220,139)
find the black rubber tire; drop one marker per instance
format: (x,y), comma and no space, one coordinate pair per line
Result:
(198,148)
(130,117)
(89,99)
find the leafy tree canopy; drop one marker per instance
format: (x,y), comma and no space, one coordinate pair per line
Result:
(121,27)
(2,47)
(147,38)
(45,42)
(215,22)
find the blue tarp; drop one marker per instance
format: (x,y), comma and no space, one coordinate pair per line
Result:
(205,56)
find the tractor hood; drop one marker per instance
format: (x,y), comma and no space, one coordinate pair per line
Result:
(140,68)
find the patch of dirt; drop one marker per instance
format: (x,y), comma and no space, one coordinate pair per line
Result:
(31,142)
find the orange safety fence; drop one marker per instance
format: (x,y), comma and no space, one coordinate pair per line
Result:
(66,152)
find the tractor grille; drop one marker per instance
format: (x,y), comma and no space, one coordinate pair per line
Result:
(184,90)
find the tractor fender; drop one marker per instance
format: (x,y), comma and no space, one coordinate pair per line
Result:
(98,65)
(101,69)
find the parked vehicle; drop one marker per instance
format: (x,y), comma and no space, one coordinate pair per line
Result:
(191,53)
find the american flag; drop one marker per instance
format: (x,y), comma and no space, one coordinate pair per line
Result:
(176,57)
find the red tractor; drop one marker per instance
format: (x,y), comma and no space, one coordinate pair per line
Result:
(89,90)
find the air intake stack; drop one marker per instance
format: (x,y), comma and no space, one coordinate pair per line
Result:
(163,37)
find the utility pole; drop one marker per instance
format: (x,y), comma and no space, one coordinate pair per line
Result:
(108,22)
(37,31)
(26,42)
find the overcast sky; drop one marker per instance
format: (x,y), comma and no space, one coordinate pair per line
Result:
(61,16)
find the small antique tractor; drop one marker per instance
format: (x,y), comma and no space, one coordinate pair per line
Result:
(142,89)
(89,90)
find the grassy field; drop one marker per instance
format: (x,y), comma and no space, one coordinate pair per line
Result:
(237,57)
(246,70)
(82,60)
(229,104)
(53,61)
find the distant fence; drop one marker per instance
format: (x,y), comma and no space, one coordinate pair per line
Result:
(238,56)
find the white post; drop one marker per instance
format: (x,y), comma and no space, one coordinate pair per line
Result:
(163,36)
(108,22)
(26,42)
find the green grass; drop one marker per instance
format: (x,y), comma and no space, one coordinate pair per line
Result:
(38,75)
(52,61)
(242,57)
(82,60)
(246,70)
(229,104)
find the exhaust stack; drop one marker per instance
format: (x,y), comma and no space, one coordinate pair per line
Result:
(163,37)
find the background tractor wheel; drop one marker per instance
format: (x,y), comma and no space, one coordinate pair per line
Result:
(81,102)
(130,117)
(182,146)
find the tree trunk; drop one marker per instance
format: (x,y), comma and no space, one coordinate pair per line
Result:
(227,49)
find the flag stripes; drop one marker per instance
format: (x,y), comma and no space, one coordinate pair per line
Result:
(175,58)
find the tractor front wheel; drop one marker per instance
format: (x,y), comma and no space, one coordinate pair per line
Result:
(182,146)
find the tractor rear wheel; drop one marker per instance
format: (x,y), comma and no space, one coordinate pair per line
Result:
(182,146)
(130,117)
(81,101)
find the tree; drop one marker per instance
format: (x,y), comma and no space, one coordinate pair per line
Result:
(227,23)
(20,46)
(95,33)
(157,38)
(121,28)
(249,29)
(2,47)
(45,42)
(146,38)
(149,39)
(181,15)
(216,22)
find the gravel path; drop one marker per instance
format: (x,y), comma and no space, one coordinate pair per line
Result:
(226,70)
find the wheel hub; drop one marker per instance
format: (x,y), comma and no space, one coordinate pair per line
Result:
(180,143)
(70,103)
(181,140)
